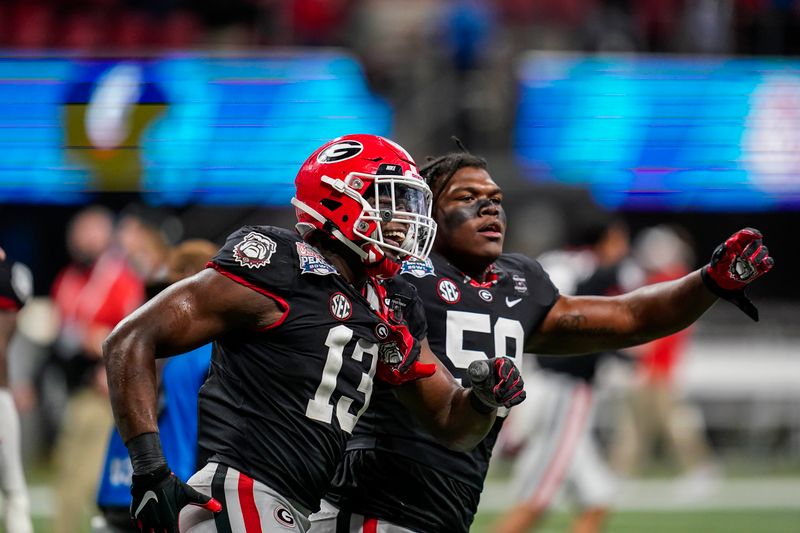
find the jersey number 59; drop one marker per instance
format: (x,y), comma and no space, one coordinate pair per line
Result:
(461,322)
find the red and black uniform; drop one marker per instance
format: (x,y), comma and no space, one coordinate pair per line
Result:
(280,404)
(396,471)
(15,285)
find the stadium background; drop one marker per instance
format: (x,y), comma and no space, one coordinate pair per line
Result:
(194,116)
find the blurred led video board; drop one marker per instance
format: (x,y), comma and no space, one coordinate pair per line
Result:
(180,128)
(650,132)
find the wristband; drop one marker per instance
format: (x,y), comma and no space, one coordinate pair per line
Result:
(146,454)
(737,298)
(479,405)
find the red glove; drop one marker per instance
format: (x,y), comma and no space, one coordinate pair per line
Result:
(736,263)
(398,358)
(495,383)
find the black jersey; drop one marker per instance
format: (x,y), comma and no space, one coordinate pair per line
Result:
(394,469)
(16,285)
(279,404)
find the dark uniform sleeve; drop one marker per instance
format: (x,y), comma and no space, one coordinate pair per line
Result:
(262,258)
(16,285)
(541,291)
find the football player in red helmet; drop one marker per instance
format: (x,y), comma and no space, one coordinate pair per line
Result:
(367,194)
(300,325)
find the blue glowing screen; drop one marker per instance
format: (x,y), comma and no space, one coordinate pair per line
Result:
(649,132)
(180,129)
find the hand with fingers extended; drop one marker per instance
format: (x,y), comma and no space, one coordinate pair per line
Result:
(735,264)
(158,498)
(398,358)
(496,382)
(157,494)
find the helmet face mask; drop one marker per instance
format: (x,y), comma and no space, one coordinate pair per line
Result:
(365,191)
(397,218)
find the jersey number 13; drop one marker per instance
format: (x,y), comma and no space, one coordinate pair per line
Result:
(320,407)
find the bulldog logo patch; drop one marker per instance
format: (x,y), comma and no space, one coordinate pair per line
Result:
(254,251)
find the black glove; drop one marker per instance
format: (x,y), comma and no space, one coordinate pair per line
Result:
(158,495)
(496,383)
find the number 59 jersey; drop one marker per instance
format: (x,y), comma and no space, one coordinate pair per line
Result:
(279,404)
(394,469)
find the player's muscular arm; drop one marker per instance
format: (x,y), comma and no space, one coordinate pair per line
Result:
(584,324)
(444,406)
(188,314)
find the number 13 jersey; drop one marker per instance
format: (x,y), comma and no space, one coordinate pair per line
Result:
(394,469)
(279,404)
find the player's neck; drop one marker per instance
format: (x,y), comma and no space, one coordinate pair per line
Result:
(477,270)
(346,263)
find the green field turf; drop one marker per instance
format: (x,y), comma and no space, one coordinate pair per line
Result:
(740,521)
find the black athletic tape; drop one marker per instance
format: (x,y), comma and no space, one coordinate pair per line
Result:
(146,455)
(737,298)
(221,519)
(343,522)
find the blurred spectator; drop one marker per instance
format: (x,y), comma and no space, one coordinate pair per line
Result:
(656,408)
(740,26)
(555,425)
(92,294)
(16,287)
(144,246)
(181,378)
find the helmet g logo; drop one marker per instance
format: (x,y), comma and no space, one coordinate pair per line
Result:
(340,151)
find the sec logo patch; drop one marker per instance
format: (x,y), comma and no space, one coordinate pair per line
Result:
(448,291)
(340,306)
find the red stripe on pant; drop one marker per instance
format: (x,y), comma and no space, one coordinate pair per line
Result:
(570,435)
(370,525)
(247,501)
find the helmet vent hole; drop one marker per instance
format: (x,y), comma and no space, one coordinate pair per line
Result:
(332,205)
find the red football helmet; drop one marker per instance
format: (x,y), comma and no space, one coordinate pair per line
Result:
(365,191)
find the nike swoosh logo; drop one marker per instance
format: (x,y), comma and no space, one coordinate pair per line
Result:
(512,303)
(149,495)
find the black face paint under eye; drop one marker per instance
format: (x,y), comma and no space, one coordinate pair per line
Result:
(454,218)
(457,216)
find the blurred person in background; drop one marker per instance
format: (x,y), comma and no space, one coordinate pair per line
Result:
(656,408)
(555,430)
(145,247)
(92,294)
(180,381)
(16,286)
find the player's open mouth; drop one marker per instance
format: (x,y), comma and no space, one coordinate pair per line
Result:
(394,238)
(492,230)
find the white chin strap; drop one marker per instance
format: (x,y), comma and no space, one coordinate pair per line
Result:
(335,232)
